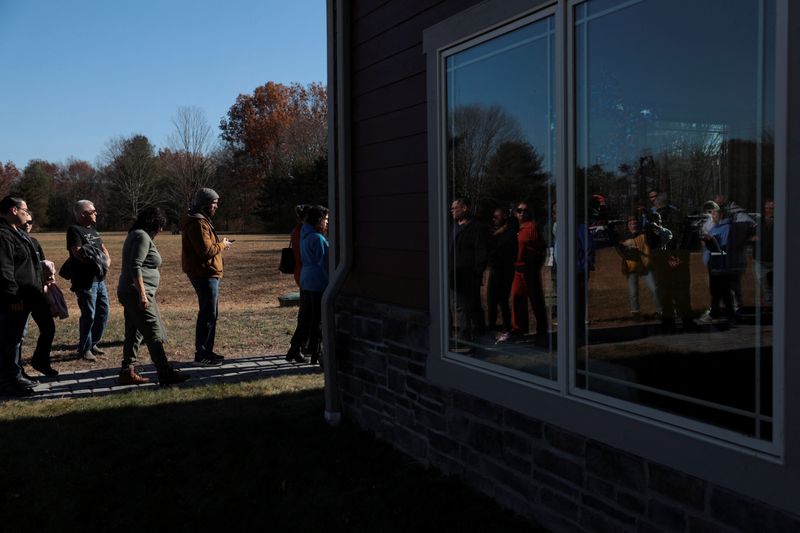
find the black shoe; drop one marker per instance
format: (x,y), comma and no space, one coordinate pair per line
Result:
(172,378)
(207,360)
(46,370)
(294,356)
(16,390)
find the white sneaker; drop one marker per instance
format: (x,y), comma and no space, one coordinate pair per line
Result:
(706,318)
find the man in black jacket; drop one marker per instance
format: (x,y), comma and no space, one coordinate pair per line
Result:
(20,283)
(467,262)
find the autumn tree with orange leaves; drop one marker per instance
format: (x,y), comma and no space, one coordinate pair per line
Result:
(267,133)
(9,174)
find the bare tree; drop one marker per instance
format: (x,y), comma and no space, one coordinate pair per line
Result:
(476,133)
(187,160)
(133,170)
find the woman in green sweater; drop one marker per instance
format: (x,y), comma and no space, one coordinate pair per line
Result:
(138,283)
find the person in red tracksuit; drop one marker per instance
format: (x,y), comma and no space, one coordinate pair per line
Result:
(294,238)
(527,285)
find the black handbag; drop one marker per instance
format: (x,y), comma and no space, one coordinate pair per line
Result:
(67,269)
(287,265)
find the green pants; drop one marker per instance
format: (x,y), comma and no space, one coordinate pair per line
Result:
(142,325)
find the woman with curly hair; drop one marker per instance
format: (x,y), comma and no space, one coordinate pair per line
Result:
(138,283)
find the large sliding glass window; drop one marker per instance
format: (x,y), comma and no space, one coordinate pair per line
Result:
(674,200)
(655,120)
(500,124)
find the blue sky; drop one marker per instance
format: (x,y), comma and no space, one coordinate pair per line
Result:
(75,74)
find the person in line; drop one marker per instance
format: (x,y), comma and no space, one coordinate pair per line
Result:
(468,256)
(745,232)
(20,280)
(294,240)
(201,260)
(89,264)
(41,311)
(313,281)
(635,254)
(671,262)
(502,253)
(527,283)
(762,265)
(300,212)
(585,259)
(723,265)
(138,282)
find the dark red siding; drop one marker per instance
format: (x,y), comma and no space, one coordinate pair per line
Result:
(389,148)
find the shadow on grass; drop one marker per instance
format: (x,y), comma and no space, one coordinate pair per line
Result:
(247,463)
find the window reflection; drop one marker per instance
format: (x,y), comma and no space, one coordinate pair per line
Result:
(500,139)
(673,181)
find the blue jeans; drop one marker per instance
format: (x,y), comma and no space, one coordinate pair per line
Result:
(207,290)
(633,290)
(93,303)
(12,328)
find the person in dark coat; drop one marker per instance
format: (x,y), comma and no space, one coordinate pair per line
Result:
(502,253)
(468,259)
(42,315)
(20,282)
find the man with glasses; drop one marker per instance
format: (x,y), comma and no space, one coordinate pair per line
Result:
(469,256)
(90,262)
(201,260)
(20,282)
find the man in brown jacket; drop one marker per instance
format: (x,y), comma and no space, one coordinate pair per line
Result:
(201,259)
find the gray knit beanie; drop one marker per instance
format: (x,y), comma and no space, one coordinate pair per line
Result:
(203,198)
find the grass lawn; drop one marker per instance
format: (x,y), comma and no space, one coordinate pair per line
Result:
(229,457)
(255,456)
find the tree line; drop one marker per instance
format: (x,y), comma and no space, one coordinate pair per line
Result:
(269,154)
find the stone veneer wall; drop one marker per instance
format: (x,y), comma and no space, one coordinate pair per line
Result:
(564,481)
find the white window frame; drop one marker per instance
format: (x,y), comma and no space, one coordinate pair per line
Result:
(746,464)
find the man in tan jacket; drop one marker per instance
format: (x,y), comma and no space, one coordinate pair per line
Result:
(201,259)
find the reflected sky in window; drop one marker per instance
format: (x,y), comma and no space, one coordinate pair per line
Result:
(660,70)
(514,71)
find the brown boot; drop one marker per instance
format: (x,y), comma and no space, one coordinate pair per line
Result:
(130,377)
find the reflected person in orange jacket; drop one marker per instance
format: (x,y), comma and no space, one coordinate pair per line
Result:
(527,285)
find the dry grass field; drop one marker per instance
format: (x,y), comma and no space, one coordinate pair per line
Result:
(250,319)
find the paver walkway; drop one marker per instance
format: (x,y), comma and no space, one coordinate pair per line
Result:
(104,381)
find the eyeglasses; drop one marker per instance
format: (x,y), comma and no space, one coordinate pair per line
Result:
(522,210)
(30,213)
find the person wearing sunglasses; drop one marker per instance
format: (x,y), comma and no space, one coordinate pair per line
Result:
(90,262)
(527,285)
